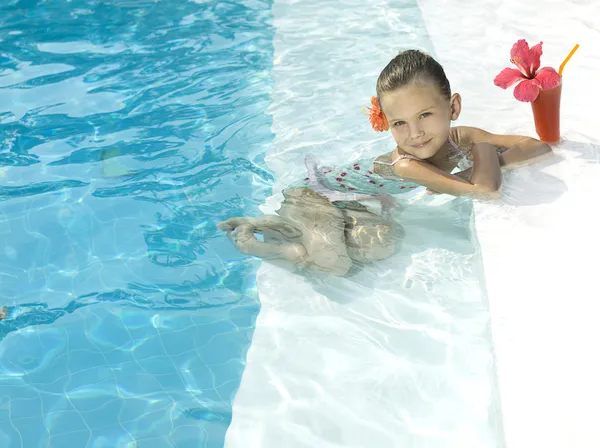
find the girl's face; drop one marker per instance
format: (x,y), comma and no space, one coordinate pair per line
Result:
(419,117)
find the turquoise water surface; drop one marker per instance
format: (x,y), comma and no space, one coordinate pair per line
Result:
(128,129)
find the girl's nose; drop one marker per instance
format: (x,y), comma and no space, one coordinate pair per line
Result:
(416,131)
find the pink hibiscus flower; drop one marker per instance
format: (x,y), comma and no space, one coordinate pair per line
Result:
(530,76)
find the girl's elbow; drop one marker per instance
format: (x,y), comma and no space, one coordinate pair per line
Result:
(492,195)
(488,192)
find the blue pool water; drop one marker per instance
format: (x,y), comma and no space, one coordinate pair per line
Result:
(128,129)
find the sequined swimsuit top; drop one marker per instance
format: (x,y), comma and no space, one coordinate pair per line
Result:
(356,182)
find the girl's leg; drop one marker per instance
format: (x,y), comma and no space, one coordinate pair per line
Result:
(275,226)
(289,255)
(369,237)
(321,225)
(315,241)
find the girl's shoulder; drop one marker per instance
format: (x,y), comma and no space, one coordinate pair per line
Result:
(382,164)
(463,136)
(385,157)
(467,136)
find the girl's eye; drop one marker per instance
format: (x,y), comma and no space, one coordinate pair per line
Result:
(399,123)
(426,114)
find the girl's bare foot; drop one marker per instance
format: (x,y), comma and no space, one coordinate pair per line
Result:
(243,238)
(231,223)
(3,312)
(271,223)
(245,241)
(276,224)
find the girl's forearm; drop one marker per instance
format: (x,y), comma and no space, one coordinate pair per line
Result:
(487,175)
(525,152)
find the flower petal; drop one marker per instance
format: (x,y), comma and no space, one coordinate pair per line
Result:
(379,123)
(535,54)
(526,59)
(527,91)
(547,78)
(376,117)
(508,77)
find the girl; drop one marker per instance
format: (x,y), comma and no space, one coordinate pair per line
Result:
(323,224)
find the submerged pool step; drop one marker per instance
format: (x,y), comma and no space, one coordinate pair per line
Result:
(365,361)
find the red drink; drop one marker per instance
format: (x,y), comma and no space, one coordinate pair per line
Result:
(546,114)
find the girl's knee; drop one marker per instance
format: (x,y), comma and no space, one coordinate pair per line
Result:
(372,253)
(372,243)
(379,252)
(326,261)
(294,252)
(371,235)
(333,263)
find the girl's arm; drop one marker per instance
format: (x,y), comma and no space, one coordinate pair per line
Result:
(485,182)
(520,150)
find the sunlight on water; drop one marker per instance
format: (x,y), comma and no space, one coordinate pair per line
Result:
(128,130)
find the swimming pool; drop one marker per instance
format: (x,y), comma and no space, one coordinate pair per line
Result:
(128,130)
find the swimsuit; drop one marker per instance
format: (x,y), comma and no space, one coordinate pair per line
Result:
(357,182)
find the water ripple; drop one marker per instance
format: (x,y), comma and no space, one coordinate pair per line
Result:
(7,193)
(157,110)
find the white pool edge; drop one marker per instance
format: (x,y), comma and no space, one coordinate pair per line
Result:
(537,244)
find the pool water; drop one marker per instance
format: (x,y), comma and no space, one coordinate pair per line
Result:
(128,129)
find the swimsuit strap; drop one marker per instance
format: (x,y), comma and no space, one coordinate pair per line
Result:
(454,145)
(397,159)
(408,156)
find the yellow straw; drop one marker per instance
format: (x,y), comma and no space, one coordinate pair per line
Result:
(560,69)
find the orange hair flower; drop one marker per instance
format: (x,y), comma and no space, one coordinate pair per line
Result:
(376,117)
